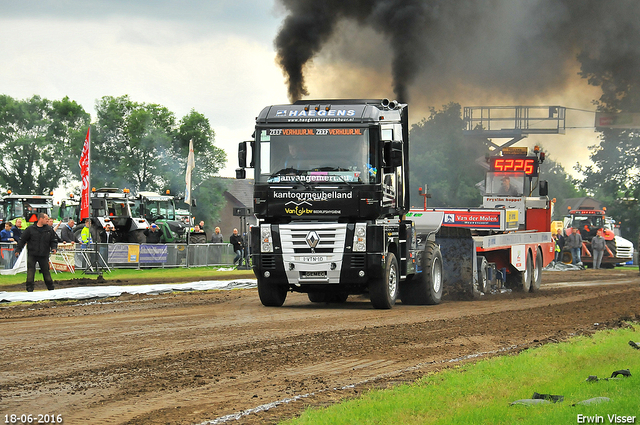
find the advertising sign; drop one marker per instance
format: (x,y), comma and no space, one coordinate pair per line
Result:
(474,219)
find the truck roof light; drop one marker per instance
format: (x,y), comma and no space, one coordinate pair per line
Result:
(93,189)
(168,192)
(317,108)
(71,195)
(326,108)
(306,108)
(9,192)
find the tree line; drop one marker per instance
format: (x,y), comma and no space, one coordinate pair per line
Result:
(140,146)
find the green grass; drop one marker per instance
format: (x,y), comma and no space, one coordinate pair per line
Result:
(480,393)
(177,275)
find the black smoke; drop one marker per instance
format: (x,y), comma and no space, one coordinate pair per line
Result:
(514,48)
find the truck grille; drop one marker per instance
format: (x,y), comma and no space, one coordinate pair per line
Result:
(624,252)
(331,238)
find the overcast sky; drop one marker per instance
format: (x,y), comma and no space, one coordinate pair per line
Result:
(216,57)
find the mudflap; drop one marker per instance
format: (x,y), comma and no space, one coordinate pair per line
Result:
(460,269)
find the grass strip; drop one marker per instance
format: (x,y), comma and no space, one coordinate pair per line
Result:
(481,393)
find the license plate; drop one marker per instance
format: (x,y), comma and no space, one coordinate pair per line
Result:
(312,259)
(314,274)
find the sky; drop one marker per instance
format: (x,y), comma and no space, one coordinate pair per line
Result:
(219,58)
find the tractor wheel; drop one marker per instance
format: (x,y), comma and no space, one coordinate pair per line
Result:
(426,287)
(271,294)
(384,291)
(137,236)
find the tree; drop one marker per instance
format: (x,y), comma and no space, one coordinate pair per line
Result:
(39,142)
(614,177)
(143,147)
(445,160)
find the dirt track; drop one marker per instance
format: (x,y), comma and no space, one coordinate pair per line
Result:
(194,357)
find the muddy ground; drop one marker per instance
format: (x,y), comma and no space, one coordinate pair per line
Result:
(202,356)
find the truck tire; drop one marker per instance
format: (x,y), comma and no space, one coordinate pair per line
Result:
(521,280)
(317,297)
(271,294)
(426,287)
(338,297)
(483,278)
(384,291)
(536,279)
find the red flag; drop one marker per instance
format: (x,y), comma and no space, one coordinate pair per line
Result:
(85,168)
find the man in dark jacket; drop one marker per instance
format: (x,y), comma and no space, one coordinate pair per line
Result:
(153,234)
(66,234)
(17,230)
(40,240)
(238,246)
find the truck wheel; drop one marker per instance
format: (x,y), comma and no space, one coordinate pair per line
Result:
(483,279)
(521,280)
(384,291)
(317,297)
(426,287)
(536,279)
(271,294)
(339,297)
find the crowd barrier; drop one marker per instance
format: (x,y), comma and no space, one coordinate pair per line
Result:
(71,257)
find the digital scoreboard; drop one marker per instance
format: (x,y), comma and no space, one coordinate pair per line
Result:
(527,165)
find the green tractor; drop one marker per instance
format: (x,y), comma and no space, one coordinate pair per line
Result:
(161,210)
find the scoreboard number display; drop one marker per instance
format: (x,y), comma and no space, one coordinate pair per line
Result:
(529,165)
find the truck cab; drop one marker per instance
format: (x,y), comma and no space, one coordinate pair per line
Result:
(331,190)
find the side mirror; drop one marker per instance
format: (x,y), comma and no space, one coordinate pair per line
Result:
(241,173)
(194,203)
(543,188)
(392,154)
(242,154)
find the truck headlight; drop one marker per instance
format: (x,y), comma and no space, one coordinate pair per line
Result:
(360,237)
(266,240)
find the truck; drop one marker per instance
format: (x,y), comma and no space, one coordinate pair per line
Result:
(161,210)
(25,207)
(332,197)
(588,220)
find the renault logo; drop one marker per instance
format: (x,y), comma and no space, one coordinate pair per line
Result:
(312,239)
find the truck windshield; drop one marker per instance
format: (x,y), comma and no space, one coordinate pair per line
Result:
(504,184)
(316,155)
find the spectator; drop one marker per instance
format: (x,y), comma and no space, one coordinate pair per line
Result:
(201,226)
(153,234)
(6,235)
(17,230)
(109,236)
(574,243)
(598,245)
(40,240)
(217,236)
(238,246)
(55,229)
(559,239)
(85,235)
(66,234)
